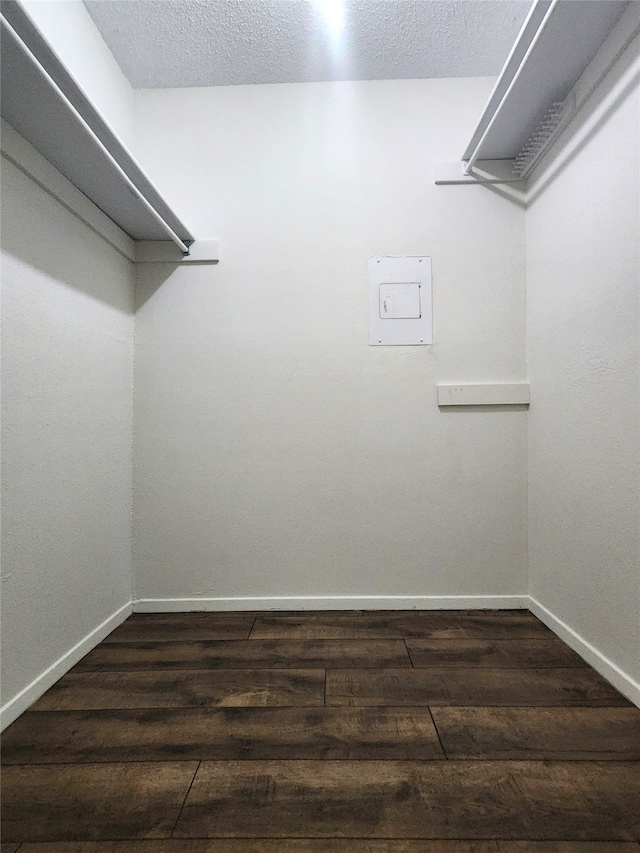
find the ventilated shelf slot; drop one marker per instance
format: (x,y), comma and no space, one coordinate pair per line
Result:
(563,51)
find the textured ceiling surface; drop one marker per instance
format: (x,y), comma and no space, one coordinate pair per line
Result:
(175,43)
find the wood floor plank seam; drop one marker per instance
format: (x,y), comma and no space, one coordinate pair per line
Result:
(185,799)
(475,840)
(207,655)
(107,845)
(377,800)
(472,667)
(464,705)
(438,733)
(333,666)
(442,686)
(319,761)
(623,845)
(362,640)
(93,802)
(451,705)
(47,711)
(471,839)
(253,625)
(408,652)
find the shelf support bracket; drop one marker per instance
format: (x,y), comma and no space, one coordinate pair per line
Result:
(484,172)
(165,252)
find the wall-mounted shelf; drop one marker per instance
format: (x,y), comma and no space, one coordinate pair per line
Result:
(42,101)
(563,51)
(494,394)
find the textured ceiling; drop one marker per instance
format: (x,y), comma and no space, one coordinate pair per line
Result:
(175,43)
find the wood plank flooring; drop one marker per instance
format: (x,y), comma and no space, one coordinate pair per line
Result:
(359,732)
(309,845)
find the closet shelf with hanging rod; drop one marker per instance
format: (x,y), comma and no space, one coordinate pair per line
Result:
(564,49)
(43,103)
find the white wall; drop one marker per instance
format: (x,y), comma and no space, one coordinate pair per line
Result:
(583,280)
(66,441)
(275,452)
(70,31)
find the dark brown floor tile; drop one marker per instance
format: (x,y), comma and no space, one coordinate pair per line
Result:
(176,692)
(309,845)
(443,624)
(312,626)
(346,613)
(227,733)
(471,687)
(246,613)
(521,653)
(354,799)
(93,801)
(8,848)
(555,733)
(245,654)
(479,624)
(182,627)
(79,691)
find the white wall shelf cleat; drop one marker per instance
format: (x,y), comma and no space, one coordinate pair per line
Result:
(492,394)
(166,252)
(483,172)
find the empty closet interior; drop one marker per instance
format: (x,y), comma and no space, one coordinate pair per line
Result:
(193,415)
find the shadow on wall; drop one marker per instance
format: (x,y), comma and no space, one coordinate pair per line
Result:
(589,120)
(155,275)
(41,233)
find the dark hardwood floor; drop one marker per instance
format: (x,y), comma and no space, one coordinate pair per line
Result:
(359,732)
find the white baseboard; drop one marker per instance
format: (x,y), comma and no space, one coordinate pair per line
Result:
(12,709)
(609,670)
(334,602)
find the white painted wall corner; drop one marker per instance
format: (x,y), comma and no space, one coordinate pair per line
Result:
(614,675)
(26,697)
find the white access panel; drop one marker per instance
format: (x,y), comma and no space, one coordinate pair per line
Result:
(400,302)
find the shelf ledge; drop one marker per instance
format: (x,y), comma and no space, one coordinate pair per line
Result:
(563,52)
(166,252)
(484,172)
(42,101)
(494,394)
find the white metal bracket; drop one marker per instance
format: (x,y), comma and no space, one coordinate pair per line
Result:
(483,172)
(166,252)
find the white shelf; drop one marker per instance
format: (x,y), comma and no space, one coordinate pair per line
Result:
(563,51)
(42,101)
(494,394)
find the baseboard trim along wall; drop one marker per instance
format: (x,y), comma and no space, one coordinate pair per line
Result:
(617,677)
(26,697)
(335,602)
(609,670)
